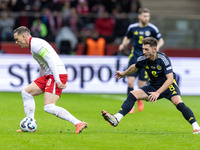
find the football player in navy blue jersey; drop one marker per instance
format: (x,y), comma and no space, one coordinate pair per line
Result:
(162,84)
(134,35)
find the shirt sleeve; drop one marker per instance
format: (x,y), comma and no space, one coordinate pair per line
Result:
(141,61)
(167,66)
(165,63)
(44,53)
(155,32)
(128,33)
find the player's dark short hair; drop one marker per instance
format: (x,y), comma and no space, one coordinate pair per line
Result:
(143,10)
(22,29)
(151,41)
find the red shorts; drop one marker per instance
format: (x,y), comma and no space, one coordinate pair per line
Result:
(47,83)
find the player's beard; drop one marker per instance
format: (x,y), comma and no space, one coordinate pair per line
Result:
(144,22)
(149,56)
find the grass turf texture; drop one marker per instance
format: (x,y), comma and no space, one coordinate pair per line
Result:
(160,126)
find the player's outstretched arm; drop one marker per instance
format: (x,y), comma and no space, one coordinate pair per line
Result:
(130,70)
(119,75)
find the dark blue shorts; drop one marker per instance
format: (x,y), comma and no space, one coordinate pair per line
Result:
(170,92)
(141,73)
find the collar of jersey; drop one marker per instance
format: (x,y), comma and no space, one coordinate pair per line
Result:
(30,42)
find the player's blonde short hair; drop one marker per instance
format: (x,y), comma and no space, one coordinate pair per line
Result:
(143,10)
(22,29)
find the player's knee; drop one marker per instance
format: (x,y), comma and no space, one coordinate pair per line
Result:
(130,83)
(50,108)
(181,106)
(26,96)
(132,96)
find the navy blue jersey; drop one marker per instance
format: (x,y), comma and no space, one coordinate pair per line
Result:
(137,33)
(157,70)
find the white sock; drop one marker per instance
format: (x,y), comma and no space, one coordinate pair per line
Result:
(195,125)
(119,116)
(61,113)
(29,104)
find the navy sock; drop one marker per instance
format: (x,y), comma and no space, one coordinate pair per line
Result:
(128,90)
(187,112)
(128,104)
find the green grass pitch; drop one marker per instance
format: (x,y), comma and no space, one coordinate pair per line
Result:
(160,126)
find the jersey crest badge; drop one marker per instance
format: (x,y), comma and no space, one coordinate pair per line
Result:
(146,67)
(147,33)
(159,67)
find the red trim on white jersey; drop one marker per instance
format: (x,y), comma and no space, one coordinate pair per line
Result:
(30,42)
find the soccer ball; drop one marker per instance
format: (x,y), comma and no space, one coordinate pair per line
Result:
(28,124)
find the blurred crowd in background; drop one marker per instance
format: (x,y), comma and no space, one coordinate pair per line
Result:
(78,19)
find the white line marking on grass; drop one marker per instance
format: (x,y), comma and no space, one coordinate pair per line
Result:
(108,96)
(121,98)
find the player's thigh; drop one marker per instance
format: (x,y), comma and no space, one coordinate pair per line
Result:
(50,98)
(140,94)
(172,91)
(146,89)
(33,89)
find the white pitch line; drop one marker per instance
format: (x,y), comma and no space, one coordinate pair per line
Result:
(121,98)
(107,96)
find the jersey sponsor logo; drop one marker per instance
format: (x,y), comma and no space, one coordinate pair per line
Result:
(146,67)
(159,67)
(135,33)
(141,33)
(147,33)
(153,67)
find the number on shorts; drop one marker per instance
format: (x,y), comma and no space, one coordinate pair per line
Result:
(49,82)
(171,88)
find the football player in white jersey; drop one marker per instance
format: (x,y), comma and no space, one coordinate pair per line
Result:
(52,81)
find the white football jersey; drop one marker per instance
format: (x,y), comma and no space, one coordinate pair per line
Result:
(47,58)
